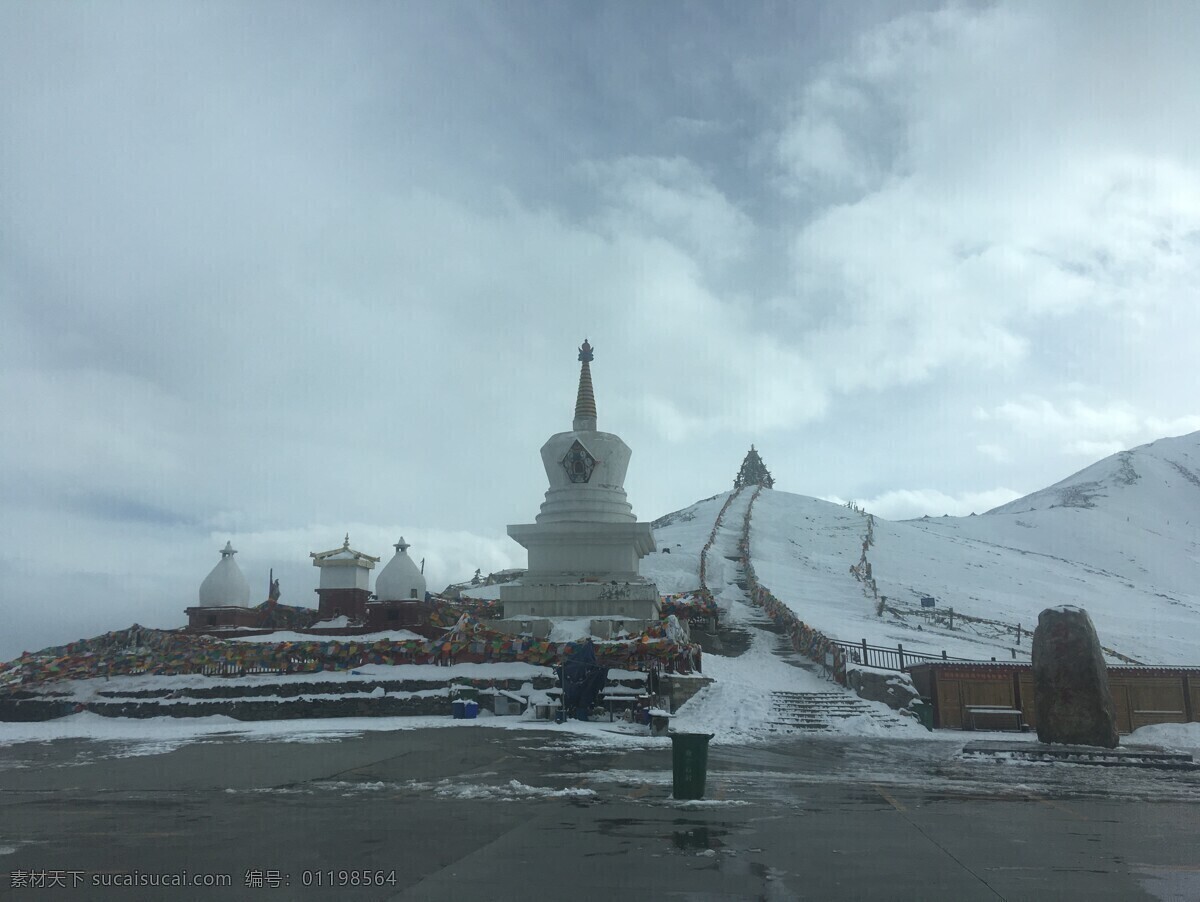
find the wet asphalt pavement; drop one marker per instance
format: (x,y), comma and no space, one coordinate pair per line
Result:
(493,814)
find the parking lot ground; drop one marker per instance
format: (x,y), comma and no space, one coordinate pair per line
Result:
(497,814)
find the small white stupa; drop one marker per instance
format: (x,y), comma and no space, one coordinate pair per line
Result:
(401,579)
(225,586)
(586,545)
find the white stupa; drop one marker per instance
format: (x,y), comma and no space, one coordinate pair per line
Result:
(585,547)
(225,586)
(401,579)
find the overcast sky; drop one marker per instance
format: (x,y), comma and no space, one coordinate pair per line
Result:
(276,272)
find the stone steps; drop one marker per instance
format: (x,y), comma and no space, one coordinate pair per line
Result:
(819,711)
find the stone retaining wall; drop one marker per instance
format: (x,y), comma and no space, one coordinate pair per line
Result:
(258,701)
(680,689)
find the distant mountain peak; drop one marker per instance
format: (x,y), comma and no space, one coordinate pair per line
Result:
(1170,465)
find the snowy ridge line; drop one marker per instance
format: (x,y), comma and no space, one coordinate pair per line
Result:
(806,640)
(712,538)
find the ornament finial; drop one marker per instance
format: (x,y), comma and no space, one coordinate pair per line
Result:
(585,400)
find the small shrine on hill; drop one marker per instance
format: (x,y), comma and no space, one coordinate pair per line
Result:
(753,472)
(586,544)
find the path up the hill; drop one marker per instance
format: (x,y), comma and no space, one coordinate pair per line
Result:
(767,689)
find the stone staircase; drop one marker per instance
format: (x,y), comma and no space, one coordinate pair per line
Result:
(814,712)
(799,712)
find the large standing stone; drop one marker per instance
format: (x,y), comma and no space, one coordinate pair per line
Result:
(1070,682)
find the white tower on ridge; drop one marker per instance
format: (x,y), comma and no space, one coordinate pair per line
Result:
(585,547)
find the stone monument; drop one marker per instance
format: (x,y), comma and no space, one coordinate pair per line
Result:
(586,544)
(1070,681)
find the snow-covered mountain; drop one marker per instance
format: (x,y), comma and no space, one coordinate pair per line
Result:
(1120,538)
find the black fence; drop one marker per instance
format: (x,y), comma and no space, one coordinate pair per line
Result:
(888,658)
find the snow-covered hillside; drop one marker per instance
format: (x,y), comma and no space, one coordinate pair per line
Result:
(1120,538)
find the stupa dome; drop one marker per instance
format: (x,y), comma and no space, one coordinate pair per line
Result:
(225,586)
(401,579)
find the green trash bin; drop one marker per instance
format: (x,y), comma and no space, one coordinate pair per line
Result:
(924,712)
(689,760)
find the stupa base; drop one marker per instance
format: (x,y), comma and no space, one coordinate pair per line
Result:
(633,600)
(579,627)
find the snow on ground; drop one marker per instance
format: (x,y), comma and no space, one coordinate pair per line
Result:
(803,548)
(1121,539)
(675,566)
(513,790)
(154,735)
(737,704)
(736,707)
(335,623)
(1182,736)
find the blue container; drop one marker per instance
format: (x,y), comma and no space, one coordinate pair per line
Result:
(471,710)
(458,709)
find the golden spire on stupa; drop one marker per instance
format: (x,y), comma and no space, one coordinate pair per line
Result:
(585,400)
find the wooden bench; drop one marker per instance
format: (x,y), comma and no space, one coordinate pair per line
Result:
(973,712)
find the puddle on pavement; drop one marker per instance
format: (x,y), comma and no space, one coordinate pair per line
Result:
(697,838)
(682,834)
(611,826)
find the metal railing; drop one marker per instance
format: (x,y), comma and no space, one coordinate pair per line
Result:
(888,658)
